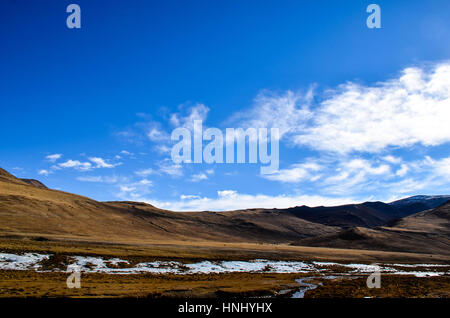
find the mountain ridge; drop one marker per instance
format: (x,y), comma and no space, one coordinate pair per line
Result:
(30,209)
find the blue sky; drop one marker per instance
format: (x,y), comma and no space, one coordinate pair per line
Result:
(363,112)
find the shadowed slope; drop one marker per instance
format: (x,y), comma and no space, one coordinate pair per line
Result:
(419,203)
(368,214)
(435,221)
(34,182)
(424,232)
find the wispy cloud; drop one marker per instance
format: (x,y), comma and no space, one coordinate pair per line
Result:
(145,172)
(44,172)
(156,134)
(76,164)
(170,168)
(134,190)
(85,166)
(101,163)
(410,109)
(196,112)
(98,179)
(202,175)
(199,177)
(54,157)
(288,112)
(296,173)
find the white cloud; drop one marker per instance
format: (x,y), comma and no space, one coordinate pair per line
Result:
(408,186)
(354,175)
(156,134)
(54,157)
(134,190)
(90,179)
(441,167)
(145,182)
(295,173)
(165,166)
(163,149)
(196,112)
(402,171)
(99,179)
(126,188)
(413,108)
(168,167)
(342,180)
(199,177)
(366,167)
(145,172)
(392,159)
(226,193)
(101,163)
(288,112)
(189,196)
(76,164)
(341,168)
(85,166)
(202,175)
(409,178)
(232,200)
(44,172)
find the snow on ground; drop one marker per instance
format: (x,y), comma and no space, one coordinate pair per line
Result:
(21,262)
(91,264)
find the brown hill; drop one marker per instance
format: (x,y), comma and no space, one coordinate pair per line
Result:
(30,210)
(424,232)
(5,176)
(434,222)
(367,214)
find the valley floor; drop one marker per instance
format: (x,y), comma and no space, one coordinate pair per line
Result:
(332,272)
(33,284)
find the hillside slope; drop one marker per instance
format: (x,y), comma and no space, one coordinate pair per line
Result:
(424,232)
(418,203)
(30,210)
(367,214)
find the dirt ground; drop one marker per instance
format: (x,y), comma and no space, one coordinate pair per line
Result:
(32,284)
(392,286)
(53,284)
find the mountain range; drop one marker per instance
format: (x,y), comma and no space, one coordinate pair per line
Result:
(28,209)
